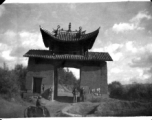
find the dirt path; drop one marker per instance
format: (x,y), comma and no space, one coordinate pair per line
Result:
(54,107)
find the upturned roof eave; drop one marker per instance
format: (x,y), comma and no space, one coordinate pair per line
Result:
(48,37)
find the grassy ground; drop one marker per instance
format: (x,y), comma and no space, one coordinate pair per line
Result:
(55,108)
(113,107)
(13,108)
(123,108)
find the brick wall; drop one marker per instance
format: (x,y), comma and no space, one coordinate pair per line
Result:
(92,74)
(103,81)
(44,71)
(47,79)
(95,77)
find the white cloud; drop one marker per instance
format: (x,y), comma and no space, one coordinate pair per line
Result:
(112,49)
(130,47)
(6,55)
(31,40)
(3,47)
(146,76)
(140,71)
(141,15)
(141,62)
(116,70)
(142,58)
(133,24)
(15,44)
(10,38)
(97,50)
(10,33)
(24,34)
(147,48)
(124,53)
(117,56)
(121,27)
(75,71)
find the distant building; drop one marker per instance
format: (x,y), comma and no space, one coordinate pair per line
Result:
(67,48)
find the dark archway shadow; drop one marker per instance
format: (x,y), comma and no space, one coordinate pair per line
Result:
(65,99)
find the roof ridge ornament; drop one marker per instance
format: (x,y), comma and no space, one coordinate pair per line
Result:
(56,31)
(58,27)
(80,29)
(69,27)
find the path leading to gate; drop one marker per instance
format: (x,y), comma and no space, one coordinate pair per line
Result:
(60,105)
(55,108)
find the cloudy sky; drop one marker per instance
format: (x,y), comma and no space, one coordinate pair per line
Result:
(125,32)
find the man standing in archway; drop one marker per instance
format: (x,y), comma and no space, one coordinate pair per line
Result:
(75,93)
(82,94)
(50,93)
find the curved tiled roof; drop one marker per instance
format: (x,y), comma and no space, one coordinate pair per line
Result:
(70,36)
(92,56)
(65,36)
